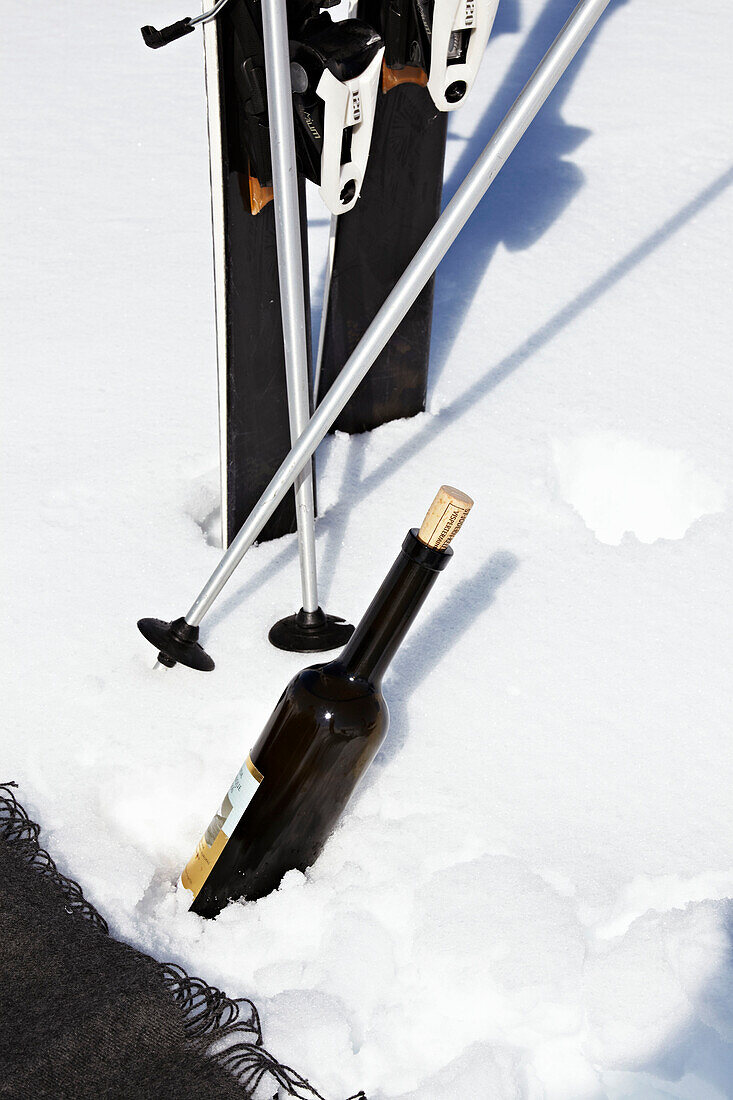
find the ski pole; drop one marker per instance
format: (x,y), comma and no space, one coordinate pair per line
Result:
(332,226)
(178,641)
(310,630)
(155,39)
(324,304)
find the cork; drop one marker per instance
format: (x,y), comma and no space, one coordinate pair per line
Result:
(445,517)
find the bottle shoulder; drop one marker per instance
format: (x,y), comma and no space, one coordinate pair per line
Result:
(321,712)
(332,683)
(325,697)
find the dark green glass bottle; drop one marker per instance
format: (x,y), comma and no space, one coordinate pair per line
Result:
(322,736)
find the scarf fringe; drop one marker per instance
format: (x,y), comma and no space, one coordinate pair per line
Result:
(17,829)
(209,1016)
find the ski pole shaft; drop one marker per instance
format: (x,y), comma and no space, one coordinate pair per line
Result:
(350,13)
(290,274)
(436,244)
(324,304)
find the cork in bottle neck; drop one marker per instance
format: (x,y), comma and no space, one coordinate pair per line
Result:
(386,621)
(445,517)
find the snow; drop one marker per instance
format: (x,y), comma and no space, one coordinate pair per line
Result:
(621,485)
(530,895)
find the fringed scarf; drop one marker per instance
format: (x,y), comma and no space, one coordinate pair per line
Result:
(85,1016)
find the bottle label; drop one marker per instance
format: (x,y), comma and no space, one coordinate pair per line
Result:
(240,794)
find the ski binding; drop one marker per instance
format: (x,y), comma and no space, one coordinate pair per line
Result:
(436,43)
(335,75)
(460,31)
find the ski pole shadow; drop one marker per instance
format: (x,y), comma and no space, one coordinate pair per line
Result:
(331,527)
(428,428)
(436,634)
(268,572)
(531,191)
(336,519)
(431,426)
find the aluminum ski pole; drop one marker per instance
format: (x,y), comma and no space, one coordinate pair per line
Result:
(310,630)
(178,641)
(332,227)
(324,304)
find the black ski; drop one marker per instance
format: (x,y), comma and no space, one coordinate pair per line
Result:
(400,201)
(335,71)
(399,204)
(253,407)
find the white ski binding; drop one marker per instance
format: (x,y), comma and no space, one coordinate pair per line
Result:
(460,31)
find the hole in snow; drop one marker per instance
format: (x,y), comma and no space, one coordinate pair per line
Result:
(617,484)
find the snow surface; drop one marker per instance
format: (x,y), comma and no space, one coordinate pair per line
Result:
(530,896)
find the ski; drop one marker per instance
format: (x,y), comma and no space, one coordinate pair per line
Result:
(432,53)
(254,426)
(335,71)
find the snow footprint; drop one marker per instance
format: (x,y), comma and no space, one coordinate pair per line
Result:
(619,485)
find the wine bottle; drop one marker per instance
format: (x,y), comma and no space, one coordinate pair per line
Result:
(321,737)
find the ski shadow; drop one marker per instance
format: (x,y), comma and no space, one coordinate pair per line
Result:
(507,20)
(533,188)
(435,635)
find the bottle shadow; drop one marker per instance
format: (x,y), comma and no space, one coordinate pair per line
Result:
(437,633)
(532,190)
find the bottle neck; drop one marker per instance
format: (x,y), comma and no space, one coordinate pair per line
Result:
(381,631)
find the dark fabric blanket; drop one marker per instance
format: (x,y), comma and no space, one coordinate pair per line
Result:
(82,1015)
